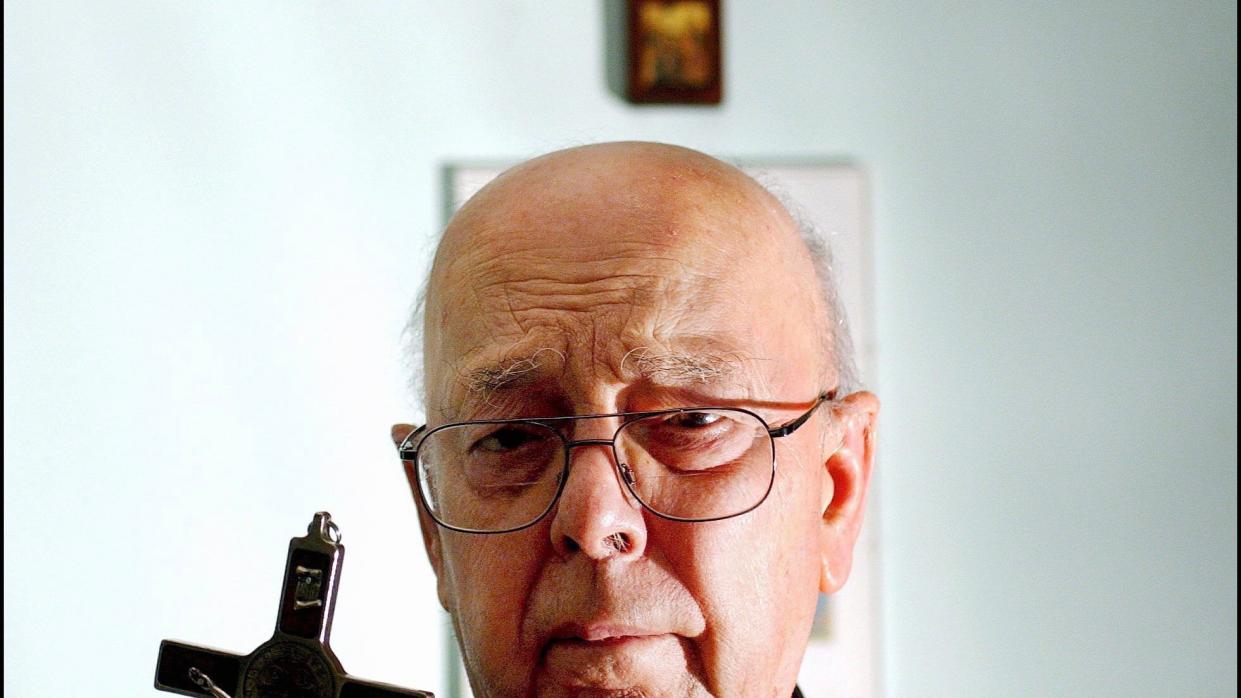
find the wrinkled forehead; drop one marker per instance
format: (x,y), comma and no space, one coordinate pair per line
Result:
(581,304)
(532,292)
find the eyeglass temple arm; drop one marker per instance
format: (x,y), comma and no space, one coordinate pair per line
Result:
(793,425)
(408,453)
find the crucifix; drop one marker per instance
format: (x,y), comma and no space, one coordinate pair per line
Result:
(297,661)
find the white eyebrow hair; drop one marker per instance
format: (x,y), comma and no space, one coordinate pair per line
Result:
(510,372)
(681,368)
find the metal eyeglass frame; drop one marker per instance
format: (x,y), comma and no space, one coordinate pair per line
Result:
(408,452)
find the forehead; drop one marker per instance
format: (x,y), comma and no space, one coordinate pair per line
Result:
(612,311)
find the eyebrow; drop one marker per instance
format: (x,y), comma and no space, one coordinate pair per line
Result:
(668,368)
(677,368)
(510,373)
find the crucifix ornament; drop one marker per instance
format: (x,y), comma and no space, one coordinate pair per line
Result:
(297,661)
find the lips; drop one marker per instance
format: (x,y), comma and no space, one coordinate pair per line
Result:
(609,656)
(581,645)
(600,632)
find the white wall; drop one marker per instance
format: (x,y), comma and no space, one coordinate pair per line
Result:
(216,215)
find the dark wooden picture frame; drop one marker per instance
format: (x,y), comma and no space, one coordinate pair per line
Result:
(674,52)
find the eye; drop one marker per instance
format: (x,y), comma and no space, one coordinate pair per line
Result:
(506,440)
(692,420)
(696,440)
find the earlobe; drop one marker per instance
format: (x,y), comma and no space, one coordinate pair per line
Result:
(849,470)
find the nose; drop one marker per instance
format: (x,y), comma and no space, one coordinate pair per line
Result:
(596,515)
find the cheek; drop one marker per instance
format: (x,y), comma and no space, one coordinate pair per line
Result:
(750,567)
(490,578)
(756,580)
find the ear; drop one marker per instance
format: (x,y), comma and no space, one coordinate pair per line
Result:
(430,531)
(844,498)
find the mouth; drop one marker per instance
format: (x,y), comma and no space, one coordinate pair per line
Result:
(583,650)
(608,659)
(611,654)
(584,645)
(600,633)
(609,641)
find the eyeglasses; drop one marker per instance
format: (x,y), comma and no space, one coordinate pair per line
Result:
(692,464)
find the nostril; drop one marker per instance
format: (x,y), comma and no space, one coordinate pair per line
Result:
(618,542)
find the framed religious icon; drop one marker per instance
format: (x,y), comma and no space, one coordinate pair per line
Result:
(674,52)
(842,658)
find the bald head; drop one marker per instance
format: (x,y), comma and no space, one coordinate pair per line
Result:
(643,179)
(655,217)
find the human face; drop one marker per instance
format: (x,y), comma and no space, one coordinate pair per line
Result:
(666,294)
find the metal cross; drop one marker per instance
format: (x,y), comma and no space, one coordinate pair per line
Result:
(297,661)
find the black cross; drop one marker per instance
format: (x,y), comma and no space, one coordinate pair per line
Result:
(296,662)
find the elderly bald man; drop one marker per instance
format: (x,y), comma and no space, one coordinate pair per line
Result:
(642,461)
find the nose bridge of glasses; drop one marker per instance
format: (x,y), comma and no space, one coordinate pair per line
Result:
(609,449)
(610,444)
(592,425)
(606,445)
